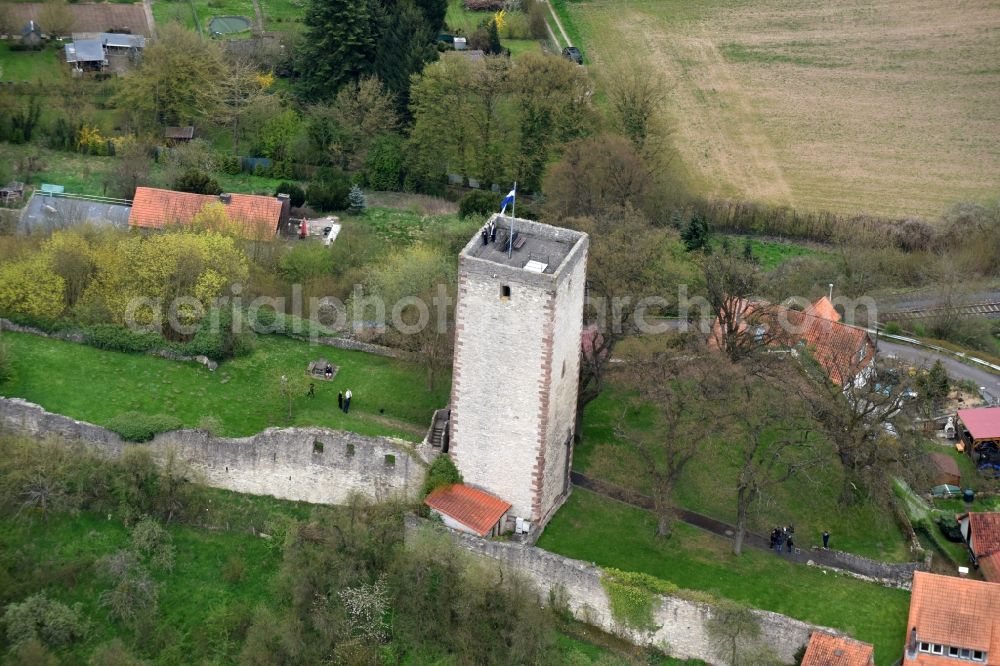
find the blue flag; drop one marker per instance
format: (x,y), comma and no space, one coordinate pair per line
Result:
(507,200)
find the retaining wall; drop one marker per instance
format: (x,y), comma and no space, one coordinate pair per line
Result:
(682,623)
(308,464)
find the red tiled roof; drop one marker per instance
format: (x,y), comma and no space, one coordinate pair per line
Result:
(957,612)
(828,650)
(984,529)
(981,422)
(256,216)
(823,309)
(989,567)
(473,508)
(834,345)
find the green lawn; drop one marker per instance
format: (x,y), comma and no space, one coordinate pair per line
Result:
(460,19)
(195,597)
(771,253)
(47,65)
(283,14)
(808,501)
(390,396)
(608,533)
(181,11)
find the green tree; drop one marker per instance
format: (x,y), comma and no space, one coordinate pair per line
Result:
(197,182)
(178,81)
(696,234)
(30,287)
(406,44)
(338,47)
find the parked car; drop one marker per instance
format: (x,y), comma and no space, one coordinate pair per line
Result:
(573,54)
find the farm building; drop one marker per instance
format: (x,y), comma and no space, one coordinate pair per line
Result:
(978,431)
(255,217)
(981,532)
(952,619)
(846,353)
(88,17)
(45,213)
(178,134)
(468,510)
(91,51)
(86,55)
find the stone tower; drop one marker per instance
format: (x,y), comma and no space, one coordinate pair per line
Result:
(517,364)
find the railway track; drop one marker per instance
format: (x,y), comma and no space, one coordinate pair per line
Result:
(990,309)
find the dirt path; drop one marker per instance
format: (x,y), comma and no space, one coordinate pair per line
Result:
(147,7)
(259,14)
(559,24)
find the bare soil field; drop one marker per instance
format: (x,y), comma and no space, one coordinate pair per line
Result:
(89,17)
(889,107)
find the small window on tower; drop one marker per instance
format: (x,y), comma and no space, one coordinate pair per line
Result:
(505,292)
(563,369)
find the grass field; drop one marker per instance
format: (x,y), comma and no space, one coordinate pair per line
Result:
(770,253)
(608,533)
(181,11)
(46,65)
(808,501)
(390,396)
(848,106)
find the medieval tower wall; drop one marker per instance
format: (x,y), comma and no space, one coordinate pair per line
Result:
(516,365)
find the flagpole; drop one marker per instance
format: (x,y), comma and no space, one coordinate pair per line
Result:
(513,216)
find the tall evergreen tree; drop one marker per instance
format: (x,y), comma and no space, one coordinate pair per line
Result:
(339,46)
(406,44)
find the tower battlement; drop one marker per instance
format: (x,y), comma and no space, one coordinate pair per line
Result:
(519,319)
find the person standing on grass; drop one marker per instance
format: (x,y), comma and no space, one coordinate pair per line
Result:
(826,540)
(312,390)
(340,400)
(347,401)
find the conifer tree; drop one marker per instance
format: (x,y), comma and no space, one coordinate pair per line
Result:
(339,46)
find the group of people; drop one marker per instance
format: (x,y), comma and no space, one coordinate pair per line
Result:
(782,537)
(344,400)
(489,232)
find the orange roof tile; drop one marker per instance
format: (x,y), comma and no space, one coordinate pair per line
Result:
(984,529)
(989,567)
(153,208)
(823,309)
(956,612)
(828,650)
(834,345)
(473,508)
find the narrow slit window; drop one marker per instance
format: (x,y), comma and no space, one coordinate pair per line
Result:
(505,292)
(317,446)
(350,449)
(390,460)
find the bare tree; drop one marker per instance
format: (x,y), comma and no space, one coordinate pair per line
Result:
(771,431)
(743,325)
(626,265)
(241,90)
(637,95)
(683,392)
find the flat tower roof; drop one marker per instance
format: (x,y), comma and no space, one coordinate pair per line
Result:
(542,246)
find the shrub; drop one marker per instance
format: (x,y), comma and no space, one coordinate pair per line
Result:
(222,335)
(211,424)
(231,165)
(478,202)
(442,472)
(42,619)
(384,162)
(139,427)
(151,541)
(329,193)
(197,182)
(295,193)
(114,653)
(31,653)
(133,599)
(117,338)
(892,328)
(631,595)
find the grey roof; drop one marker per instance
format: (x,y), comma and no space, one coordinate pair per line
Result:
(85,50)
(544,244)
(46,213)
(123,41)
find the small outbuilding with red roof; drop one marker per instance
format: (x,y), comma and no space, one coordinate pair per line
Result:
(981,531)
(253,216)
(825,649)
(468,509)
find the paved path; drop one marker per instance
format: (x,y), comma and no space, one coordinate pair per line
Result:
(956,368)
(751,540)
